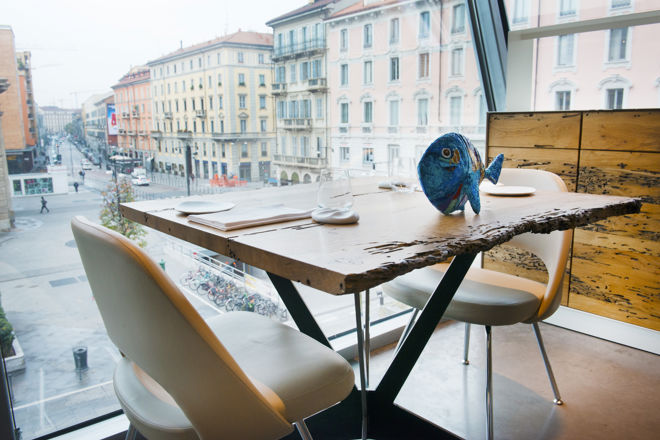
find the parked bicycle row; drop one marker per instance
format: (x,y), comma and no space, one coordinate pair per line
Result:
(229,293)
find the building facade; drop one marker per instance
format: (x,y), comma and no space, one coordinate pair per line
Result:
(401,73)
(300,91)
(28,104)
(133,111)
(215,97)
(20,156)
(607,69)
(55,119)
(95,123)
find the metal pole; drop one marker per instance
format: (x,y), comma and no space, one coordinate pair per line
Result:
(188,167)
(7,427)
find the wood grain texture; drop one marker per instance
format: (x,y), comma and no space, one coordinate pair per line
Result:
(396,234)
(534,130)
(562,162)
(631,242)
(615,264)
(630,130)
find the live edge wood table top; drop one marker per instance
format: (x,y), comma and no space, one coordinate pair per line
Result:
(397,232)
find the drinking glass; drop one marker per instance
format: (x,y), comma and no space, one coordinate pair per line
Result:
(335,190)
(403,174)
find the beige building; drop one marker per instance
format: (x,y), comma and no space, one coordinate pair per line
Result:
(300,91)
(215,97)
(55,119)
(133,112)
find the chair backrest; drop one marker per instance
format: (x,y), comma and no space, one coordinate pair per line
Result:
(553,249)
(153,324)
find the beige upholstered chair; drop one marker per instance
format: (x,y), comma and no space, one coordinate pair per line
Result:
(492,298)
(236,376)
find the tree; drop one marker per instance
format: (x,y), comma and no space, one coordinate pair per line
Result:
(118,192)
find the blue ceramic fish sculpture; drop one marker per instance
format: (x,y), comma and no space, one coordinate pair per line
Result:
(451,170)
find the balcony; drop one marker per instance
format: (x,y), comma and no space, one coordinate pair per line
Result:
(317,85)
(143,132)
(131,132)
(182,134)
(125,115)
(279,88)
(122,131)
(156,134)
(299,161)
(297,123)
(237,137)
(291,51)
(135,113)
(200,113)
(167,115)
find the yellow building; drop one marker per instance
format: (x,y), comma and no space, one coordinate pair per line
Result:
(214,96)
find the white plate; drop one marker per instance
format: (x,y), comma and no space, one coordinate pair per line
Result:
(203,207)
(504,190)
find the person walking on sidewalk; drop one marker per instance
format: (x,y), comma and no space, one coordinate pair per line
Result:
(75,186)
(43,206)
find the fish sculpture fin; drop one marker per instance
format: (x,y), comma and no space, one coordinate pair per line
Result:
(473,196)
(494,169)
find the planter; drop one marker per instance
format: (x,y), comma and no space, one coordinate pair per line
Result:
(15,363)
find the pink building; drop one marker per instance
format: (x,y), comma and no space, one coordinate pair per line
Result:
(603,69)
(133,109)
(400,74)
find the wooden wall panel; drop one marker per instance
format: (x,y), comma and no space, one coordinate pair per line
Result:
(562,162)
(547,130)
(615,264)
(629,130)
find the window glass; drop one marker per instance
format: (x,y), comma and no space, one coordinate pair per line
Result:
(322,117)
(596,69)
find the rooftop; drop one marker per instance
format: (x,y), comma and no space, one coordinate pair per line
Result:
(317,4)
(240,38)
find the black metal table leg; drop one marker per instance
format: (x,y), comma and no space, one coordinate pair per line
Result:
(387,421)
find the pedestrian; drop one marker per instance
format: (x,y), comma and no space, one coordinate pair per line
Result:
(75,186)
(82,174)
(43,205)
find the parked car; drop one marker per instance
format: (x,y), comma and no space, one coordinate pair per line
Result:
(85,164)
(141,180)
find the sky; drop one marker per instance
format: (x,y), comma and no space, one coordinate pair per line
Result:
(83,47)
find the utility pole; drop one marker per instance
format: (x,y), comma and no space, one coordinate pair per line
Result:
(188,167)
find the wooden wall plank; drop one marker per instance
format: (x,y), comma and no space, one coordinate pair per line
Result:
(632,130)
(615,263)
(562,162)
(546,129)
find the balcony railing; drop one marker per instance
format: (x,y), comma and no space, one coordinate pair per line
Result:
(142,132)
(297,123)
(156,134)
(136,113)
(131,132)
(167,115)
(184,134)
(308,162)
(125,115)
(233,137)
(315,84)
(122,131)
(200,113)
(299,49)
(279,88)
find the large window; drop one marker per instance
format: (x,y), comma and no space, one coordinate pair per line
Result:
(458,18)
(344,112)
(423,112)
(394,113)
(343,39)
(565,48)
(563,100)
(367,36)
(394,69)
(368,112)
(394,30)
(618,47)
(423,66)
(343,75)
(368,71)
(424,24)
(614,99)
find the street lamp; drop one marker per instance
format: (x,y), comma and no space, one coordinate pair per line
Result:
(188,167)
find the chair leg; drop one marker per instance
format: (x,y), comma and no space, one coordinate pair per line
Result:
(303,431)
(466,344)
(131,434)
(406,330)
(489,384)
(546,361)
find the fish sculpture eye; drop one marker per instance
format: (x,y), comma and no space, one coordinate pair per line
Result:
(446,153)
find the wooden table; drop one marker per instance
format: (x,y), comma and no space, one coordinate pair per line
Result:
(397,233)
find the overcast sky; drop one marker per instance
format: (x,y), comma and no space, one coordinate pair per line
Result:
(80,47)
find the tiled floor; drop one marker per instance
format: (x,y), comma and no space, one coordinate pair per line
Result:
(610,391)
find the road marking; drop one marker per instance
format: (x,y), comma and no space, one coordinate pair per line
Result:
(42,401)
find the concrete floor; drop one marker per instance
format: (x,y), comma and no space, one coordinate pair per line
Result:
(610,391)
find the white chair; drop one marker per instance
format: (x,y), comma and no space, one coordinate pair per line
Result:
(236,376)
(492,298)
